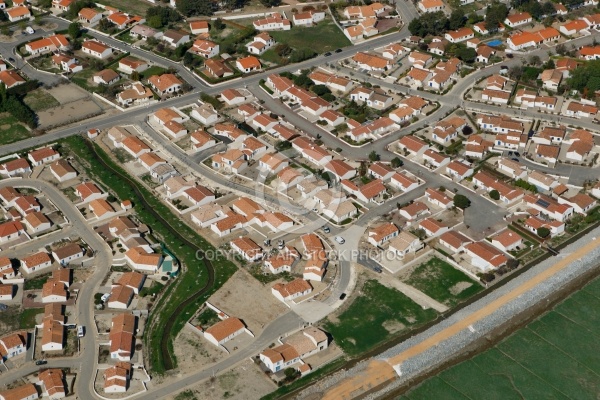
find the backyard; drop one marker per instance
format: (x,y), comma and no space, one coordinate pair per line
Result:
(442,282)
(375,316)
(555,356)
(11,130)
(15,318)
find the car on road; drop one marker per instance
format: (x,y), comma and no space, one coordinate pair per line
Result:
(280,244)
(80,331)
(11,59)
(338,50)
(30,30)
(510,153)
(326,229)
(342,296)
(105,297)
(340,240)
(41,362)
(517,154)
(327,54)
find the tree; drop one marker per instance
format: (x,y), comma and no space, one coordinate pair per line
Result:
(516,72)
(467,130)
(74,30)
(543,232)
(270,3)
(494,194)
(135,76)
(299,55)
(434,23)
(320,90)
(461,201)
(535,60)
(159,16)
(373,156)
(397,162)
(466,54)
(218,24)
(586,78)
(549,64)
(457,19)
(495,14)
(561,49)
(194,7)
(283,49)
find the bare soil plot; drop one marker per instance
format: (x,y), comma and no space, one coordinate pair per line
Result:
(193,352)
(246,298)
(245,382)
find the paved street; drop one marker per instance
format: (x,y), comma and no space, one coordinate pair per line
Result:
(479,217)
(85,363)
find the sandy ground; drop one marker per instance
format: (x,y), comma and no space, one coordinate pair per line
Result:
(244,382)
(246,298)
(75,104)
(193,352)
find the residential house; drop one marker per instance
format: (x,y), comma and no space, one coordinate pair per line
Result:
(291,290)
(48,44)
(454,241)
(165,84)
(15,167)
(485,256)
(106,77)
(175,38)
(89,16)
(382,234)
(507,240)
(96,49)
(225,330)
(261,43)
(248,64)
(43,155)
(274,22)
(122,337)
(35,262)
(198,27)
(68,253)
(405,243)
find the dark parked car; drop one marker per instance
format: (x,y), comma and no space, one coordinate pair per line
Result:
(517,154)
(41,362)
(342,296)
(327,54)
(338,50)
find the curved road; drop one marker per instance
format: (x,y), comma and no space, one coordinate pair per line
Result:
(87,359)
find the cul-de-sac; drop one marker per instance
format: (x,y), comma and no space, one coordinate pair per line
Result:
(297,199)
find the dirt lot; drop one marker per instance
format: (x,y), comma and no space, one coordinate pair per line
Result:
(75,104)
(246,298)
(245,382)
(193,351)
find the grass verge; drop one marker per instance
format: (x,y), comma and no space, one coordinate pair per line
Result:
(325,36)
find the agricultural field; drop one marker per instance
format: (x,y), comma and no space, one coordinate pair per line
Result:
(442,282)
(374,316)
(555,356)
(11,130)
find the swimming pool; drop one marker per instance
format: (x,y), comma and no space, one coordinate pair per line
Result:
(494,43)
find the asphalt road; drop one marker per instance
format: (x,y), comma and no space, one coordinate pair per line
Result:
(480,215)
(87,359)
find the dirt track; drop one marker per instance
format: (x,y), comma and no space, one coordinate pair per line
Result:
(379,372)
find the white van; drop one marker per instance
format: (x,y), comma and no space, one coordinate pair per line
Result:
(80,331)
(30,30)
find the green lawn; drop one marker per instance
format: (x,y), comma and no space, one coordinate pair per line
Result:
(11,130)
(442,282)
(374,317)
(193,276)
(325,36)
(153,70)
(271,56)
(36,283)
(27,318)
(553,357)
(39,100)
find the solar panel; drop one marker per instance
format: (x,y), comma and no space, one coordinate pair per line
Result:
(542,203)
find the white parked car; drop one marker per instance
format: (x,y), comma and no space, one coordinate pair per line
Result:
(340,240)
(30,30)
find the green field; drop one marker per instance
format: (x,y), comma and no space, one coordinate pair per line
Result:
(40,100)
(325,36)
(556,356)
(442,282)
(11,130)
(374,316)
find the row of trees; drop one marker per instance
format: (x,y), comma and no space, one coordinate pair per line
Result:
(190,8)
(159,16)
